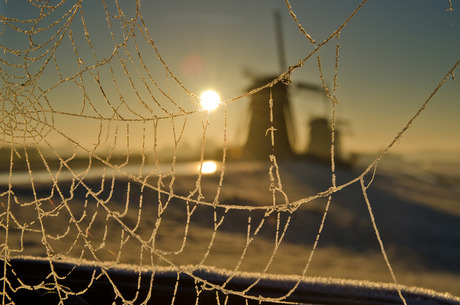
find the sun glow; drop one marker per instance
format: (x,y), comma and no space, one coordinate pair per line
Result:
(208,167)
(210,100)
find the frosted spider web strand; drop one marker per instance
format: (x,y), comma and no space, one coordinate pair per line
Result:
(301,29)
(325,213)
(286,76)
(382,248)
(334,102)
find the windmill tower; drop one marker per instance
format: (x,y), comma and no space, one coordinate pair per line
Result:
(320,140)
(258,143)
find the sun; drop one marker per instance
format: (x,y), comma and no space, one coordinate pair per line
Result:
(210,100)
(208,167)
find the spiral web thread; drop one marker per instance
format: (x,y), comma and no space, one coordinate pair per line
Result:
(104,199)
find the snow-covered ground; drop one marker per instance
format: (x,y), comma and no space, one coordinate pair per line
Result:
(417,212)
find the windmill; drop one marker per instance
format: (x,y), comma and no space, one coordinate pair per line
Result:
(258,144)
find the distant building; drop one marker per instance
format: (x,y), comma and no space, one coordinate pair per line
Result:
(258,143)
(320,140)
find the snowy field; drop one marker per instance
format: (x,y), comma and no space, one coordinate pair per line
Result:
(416,209)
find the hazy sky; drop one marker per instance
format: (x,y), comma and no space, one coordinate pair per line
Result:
(393,54)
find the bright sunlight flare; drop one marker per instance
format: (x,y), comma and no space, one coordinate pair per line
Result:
(210,100)
(208,167)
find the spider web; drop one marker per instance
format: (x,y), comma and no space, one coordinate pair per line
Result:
(85,120)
